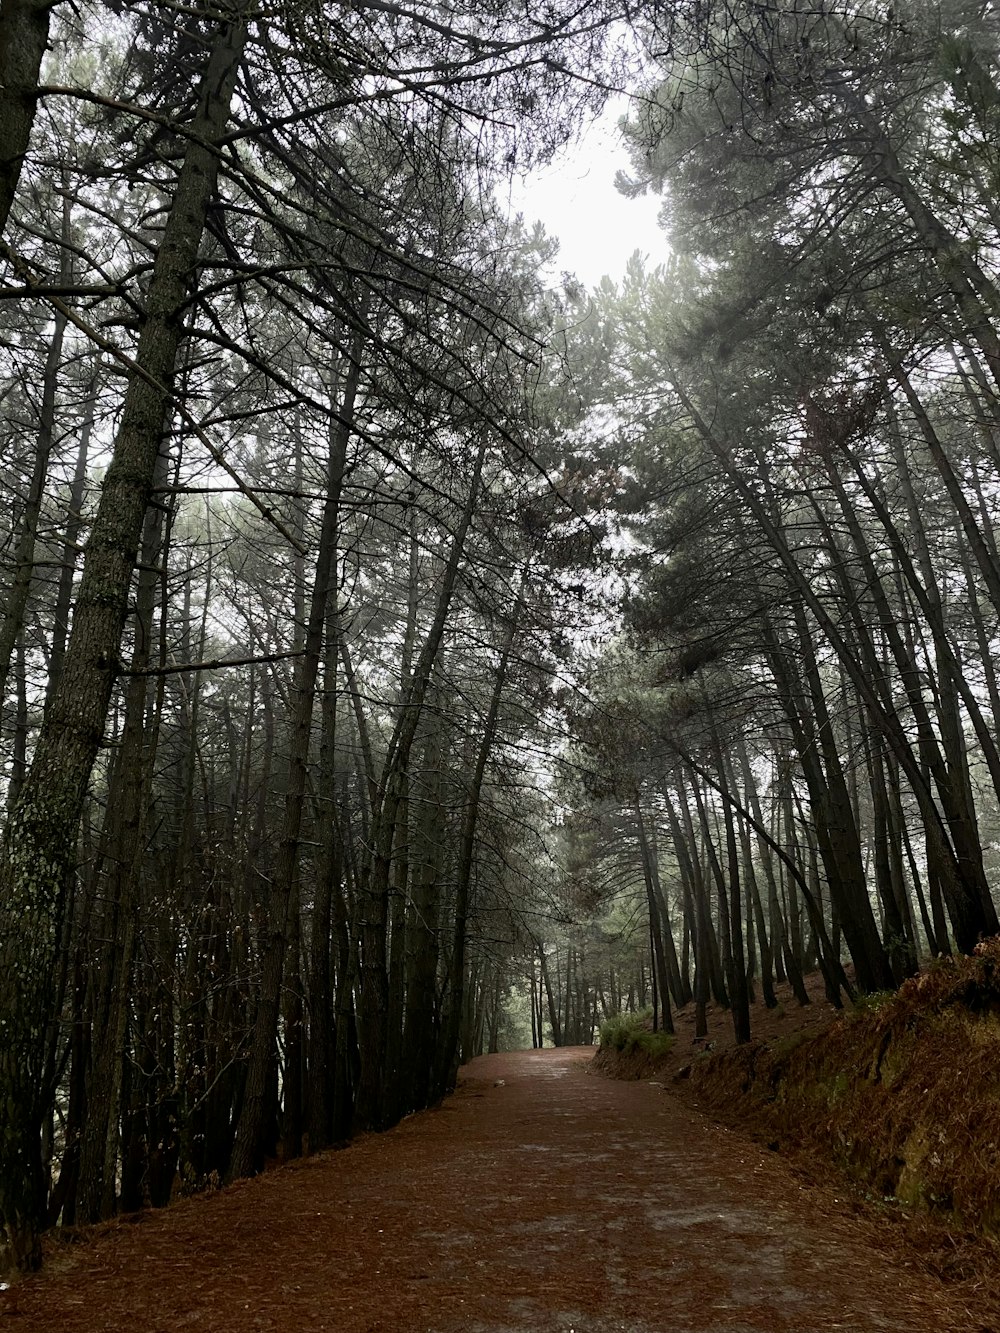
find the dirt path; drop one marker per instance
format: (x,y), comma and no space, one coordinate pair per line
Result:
(538,1199)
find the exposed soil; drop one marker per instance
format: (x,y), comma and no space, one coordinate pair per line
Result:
(538,1199)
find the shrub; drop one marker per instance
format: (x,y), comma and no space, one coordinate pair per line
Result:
(633,1032)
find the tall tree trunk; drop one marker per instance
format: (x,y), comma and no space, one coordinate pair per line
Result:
(680,988)
(467,848)
(328,891)
(12,622)
(24,35)
(71,538)
(129,794)
(372,1016)
(40,838)
(656,929)
(19,749)
(420,1034)
(765,938)
(550,998)
(249,1145)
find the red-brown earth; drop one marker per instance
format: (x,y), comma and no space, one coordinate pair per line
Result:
(538,1198)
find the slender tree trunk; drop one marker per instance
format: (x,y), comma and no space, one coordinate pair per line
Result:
(372,1016)
(764,938)
(74,524)
(420,1035)
(24,553)
(19,750)
(328,890)
(130,786)
(679,990)
(660,974)
(467,848)
(553,1010)
(292,1022)
(249,1145)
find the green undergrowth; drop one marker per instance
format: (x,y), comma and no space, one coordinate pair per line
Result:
(631,1034)
(903,1091)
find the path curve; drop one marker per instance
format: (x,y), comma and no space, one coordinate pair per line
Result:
(539,1199)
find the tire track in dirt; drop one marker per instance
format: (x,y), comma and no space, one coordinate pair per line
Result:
(538,1199)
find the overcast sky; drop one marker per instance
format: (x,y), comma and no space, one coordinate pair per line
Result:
(576,200)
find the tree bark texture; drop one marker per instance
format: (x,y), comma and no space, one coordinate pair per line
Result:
(24,34)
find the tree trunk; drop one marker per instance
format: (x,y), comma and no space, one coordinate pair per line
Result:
(128,803)
(660,975)
(24,553)
(553,1010)
(467,848)
(249,1145)
(372,1017)
(420,1036)
(24,36)
(74,523)
(39,843)
(328,890)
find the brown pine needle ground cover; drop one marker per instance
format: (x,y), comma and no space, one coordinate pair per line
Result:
(538,1199)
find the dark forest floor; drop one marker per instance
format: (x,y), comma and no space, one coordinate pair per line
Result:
(538,1199)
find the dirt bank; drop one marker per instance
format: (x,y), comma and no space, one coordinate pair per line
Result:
(897,1100)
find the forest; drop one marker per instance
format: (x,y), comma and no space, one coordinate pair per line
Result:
(405,653)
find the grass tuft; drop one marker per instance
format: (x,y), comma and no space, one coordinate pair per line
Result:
(629,1033)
